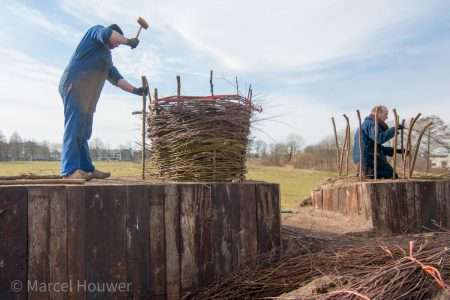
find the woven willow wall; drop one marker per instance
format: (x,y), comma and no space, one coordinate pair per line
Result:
(199,138)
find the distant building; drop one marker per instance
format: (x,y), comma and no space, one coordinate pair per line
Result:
(114,154)
(440,158)
(55,155)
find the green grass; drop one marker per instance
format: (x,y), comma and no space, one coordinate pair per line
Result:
(295,184)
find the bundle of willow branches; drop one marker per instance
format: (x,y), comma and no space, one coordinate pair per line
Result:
(199,138)
(370,269)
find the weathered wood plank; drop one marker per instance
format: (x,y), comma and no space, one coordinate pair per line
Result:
(447,204)
(58,242)
(374,205)
(38,240)
(97,255)
(157,240)
(13,241)
(222,230)
(76,240)
(205,235)
(403,213)
(316,197)
(267,220)
(116,206)
(137,228)
(234,194)
(248,229)
(426,196)
(173,243)
(188,216)
(276,222)
(441,209)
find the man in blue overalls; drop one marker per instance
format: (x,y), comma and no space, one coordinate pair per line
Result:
(80,88)
(384,169)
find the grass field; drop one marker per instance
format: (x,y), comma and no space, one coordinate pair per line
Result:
(295,184)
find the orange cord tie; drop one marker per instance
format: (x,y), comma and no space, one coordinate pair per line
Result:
(430,270)
(350,292)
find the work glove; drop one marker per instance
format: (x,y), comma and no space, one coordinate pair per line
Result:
(140,91)
(133,43)
(400,127)
(403,151)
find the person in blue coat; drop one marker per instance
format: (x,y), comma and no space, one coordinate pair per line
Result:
(384,169)
(80,87)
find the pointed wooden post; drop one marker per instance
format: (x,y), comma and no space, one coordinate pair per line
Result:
(144,119)
(394,163)
(338,151)
(360,146)
(375,148)
(211,85)
(178,86)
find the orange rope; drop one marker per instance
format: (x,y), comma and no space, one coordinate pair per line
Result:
(430,270)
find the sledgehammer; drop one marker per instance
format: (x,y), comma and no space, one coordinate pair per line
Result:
(142,24)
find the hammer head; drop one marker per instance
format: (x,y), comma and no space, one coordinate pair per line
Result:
(142,23)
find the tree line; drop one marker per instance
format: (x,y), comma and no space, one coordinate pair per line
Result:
(16,148)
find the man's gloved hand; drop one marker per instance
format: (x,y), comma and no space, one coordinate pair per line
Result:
(133,43)
(140,91)
(403,151)
(400,127)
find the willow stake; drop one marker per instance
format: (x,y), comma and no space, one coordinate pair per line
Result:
(394,164)
(338,151)
(375,148)
(360,146)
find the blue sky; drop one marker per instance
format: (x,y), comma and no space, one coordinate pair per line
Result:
(307,60)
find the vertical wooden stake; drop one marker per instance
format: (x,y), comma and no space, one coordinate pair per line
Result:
(375,147)
(411,170)
(338,151)
(347,151)
(409,143)
(144,119)
(211,85)
(394,164)
(178,86)
(360,146)
(428,150)
(343,152)
(237,86)
(155,94)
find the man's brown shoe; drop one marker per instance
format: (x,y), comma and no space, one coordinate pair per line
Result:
(79,174)
(97,174)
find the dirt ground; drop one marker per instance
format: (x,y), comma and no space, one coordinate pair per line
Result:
(324,224)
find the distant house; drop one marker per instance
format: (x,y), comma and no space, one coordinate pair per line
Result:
(55,155)
(440,158)
(113,154)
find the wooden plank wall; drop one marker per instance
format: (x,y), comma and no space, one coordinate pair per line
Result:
(392,206)
(166,240)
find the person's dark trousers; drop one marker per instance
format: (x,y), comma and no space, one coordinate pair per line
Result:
(384,171)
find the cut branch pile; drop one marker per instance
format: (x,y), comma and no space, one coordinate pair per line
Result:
(369,269)
(199,138)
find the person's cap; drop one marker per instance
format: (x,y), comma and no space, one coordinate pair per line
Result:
(116,27)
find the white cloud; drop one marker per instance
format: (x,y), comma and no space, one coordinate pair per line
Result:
(262,35)
(284,114)
(28,14)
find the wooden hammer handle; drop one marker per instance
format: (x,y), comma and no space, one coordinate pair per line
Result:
(139,32)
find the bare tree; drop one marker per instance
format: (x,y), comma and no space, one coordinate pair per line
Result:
(15,147)
(3,147)
(438,136)
(294,142)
